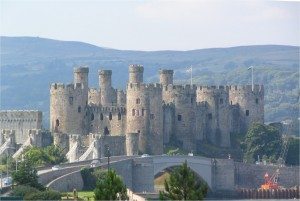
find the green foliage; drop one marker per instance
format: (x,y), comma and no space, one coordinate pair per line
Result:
(110,187)
(262,140)
(293,152)
(45,155)
(89,179)
(36,155)
(54,154)
(183,185)
(43,195)
(27,175)
(22,190)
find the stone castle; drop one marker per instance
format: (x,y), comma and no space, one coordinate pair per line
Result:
(147,117)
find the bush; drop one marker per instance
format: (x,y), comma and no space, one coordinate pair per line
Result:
(22,190)
(43,195)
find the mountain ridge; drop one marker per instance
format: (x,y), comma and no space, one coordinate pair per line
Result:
(28,67)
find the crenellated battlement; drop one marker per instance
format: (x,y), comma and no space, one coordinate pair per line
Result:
(112,109)
(81,69)
(105,72)
(165,71)
(133,68)
(185,89)
(144,87)
(246,88)
(213,90)
(66,88)
(155,110)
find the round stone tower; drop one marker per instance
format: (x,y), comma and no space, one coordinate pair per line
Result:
(105,87)
(166,77)
(132,144)
(218,124)
(81,76)
(137,118)
(68,104)
(136,73)
(250,103)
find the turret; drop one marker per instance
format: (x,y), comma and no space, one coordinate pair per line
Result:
(217,120)
(81,76)
(106,91)
(166,77)
(136,73)
(250,103)
(68,104)
(138,116)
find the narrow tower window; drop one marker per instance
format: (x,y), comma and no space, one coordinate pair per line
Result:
(56,123)
(71,100)
(221,100)
(101,116)
(179,117)
(92,117)
(119,116)
(106,131)
(247,112)
(143,112)
(133,112)
(209,116)
(79,109)
(138,101)
(256,100)
(110,116)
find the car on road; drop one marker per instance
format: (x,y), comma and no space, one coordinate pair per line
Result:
(145,155)
(95,163)
(56,167)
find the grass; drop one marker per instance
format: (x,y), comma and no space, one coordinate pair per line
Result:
(82,195)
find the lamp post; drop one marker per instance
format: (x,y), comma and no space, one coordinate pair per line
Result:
(108,156)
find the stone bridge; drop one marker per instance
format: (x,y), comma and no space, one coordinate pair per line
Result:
(138,172)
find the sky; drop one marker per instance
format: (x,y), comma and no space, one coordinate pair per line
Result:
(155,25)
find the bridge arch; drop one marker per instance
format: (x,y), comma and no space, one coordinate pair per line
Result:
(201,166)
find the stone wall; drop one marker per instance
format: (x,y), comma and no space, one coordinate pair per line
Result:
(21,121)
(107,120)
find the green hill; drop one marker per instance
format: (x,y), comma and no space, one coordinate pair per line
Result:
(29,65)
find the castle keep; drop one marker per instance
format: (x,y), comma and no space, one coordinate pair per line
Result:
(146,117)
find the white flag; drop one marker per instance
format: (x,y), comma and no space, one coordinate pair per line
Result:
(189,69)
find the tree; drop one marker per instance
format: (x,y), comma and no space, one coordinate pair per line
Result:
(27,175)
(54,155)
(293,154)
(110,187)
(262,140)
(36,155)
(183,185)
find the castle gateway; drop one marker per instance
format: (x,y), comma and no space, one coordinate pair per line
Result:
(146,117)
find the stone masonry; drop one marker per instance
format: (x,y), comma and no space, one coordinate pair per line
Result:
(152,115)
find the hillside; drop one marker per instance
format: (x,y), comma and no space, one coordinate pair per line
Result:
(29,65)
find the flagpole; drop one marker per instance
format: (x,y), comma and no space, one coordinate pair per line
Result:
(191,75)
(252,78)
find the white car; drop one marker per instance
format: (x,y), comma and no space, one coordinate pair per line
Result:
(145,155)
(190,154)
(56,167)
(95,163)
